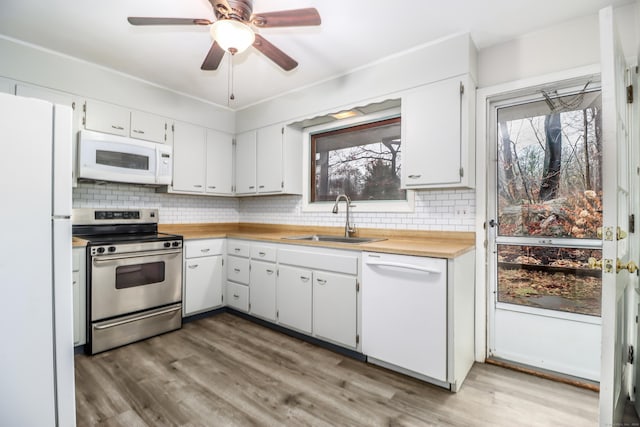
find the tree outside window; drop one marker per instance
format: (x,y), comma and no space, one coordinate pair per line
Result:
(361,161)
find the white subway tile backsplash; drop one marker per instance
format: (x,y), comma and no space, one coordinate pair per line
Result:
(434,209)
(173,208)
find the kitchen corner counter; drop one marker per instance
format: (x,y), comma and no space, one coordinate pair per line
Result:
(76,242)
(439,244)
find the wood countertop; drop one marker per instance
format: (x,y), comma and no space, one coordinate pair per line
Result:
(439,244)
(76,242)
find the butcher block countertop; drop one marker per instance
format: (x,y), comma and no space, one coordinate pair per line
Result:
(439,244)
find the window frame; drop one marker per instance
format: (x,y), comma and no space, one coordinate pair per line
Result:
(359,206)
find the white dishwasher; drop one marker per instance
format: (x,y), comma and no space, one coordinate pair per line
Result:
(404,313)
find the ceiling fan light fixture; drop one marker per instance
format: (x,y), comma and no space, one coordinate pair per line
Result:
(233,36)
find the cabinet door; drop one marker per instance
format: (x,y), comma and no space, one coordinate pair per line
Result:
(246,163)
(335,308)
(294,296)
(188,158)
(238,269)
(269,159)
(107,118)
(238,296)
(202,284)
(219,162)
(148,127)
(431,135)
(262,290)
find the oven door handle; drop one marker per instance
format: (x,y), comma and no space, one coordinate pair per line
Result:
(135,319)
(106,258)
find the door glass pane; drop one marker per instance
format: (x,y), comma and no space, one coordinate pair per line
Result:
(549,277)
(122,160)
(549,167)
(129,276)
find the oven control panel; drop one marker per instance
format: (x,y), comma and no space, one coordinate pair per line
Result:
(135,247)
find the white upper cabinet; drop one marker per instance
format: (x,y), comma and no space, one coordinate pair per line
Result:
(269,161)
(7,86)
(246,163)
(438,135)
(149,127)
(107,118)
(189,159)
(219,163)
(114,119)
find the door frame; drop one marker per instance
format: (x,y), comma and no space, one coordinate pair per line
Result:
(483,98)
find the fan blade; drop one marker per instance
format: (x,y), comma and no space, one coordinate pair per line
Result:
(213,58)
(134,20)
(283,60)
(287,18)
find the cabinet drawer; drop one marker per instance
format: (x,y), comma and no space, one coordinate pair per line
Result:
(238,296)
(238,269)
(344,263)
(77,259)
(238,248)
(199,248)
(263,253)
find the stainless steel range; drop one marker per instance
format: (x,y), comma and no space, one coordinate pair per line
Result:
(134,276)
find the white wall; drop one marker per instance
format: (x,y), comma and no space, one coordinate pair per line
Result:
(572,44)
(30,64)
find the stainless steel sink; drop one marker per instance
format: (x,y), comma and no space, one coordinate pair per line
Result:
(338,239)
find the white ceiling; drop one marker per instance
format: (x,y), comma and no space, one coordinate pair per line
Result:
(353,33)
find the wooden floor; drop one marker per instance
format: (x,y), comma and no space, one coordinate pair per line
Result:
(226,371)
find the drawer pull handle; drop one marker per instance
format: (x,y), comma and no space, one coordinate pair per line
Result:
(414,176)
(75,282)
(236,296)
(262,186)
(138,131)
(321,281)
(205,250)
(236,249)
(304,278)
(213,187)
(237,270)
(251,187)
(192,266)
(117,127)
(269,271)
(261,253)
(198,186)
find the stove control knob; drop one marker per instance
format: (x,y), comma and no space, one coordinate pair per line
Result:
(167,244)
(176,244)
(112,249)
(100,250)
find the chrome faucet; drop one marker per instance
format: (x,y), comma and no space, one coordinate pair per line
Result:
(349,229)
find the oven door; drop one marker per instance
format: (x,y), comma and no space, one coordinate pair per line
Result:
(127,283)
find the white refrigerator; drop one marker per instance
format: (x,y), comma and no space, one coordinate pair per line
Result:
(36,320)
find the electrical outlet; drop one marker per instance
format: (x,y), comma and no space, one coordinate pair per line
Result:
(461,212)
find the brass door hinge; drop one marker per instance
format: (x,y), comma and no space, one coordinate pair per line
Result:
(630,94)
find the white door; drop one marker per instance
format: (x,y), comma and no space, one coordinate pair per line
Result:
(545,305)
(262,290)
(615,247)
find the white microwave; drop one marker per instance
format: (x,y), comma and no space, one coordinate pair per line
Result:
(105,157)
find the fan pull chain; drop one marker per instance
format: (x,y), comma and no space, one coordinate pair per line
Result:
(232,51)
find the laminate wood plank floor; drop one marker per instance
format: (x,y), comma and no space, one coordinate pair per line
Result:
(227,371)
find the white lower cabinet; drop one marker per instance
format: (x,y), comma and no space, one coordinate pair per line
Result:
(203,276)
(334,308)
(238,296)
(79,296)
(294,298)
(262,290)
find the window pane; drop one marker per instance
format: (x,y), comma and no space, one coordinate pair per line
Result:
(549,277)
(362,162)
(130,276)
(549,167)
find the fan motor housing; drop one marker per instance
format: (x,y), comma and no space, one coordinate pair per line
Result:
(238,9)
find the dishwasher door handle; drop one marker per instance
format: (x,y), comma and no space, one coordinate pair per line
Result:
(403,265)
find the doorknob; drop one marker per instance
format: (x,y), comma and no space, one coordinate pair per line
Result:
(631,266)
(621,234)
